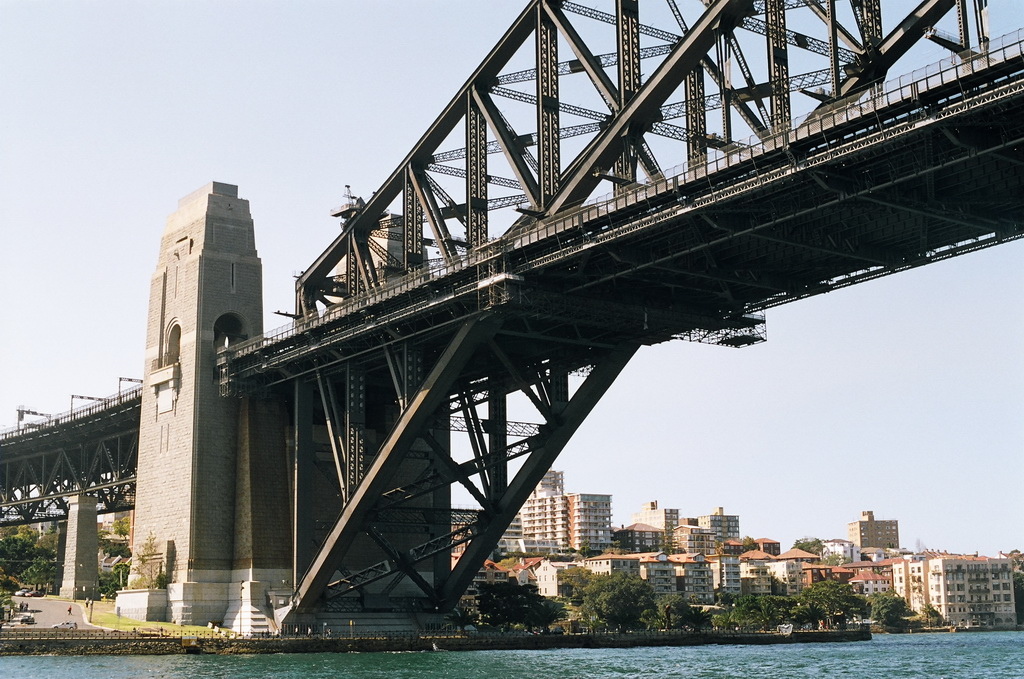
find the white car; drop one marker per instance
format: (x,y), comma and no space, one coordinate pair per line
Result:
(21,592)
(69,624)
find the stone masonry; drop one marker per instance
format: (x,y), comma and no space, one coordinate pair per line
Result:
(192,495)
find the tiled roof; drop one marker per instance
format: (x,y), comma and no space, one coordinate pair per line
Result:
(757,555)
(797,554)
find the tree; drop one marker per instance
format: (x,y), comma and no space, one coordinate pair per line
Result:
(575,580)
(507,603)
(149,566)
(545,614)
(837,599)
(759,611)
(809,613)
(889,609)
(672,610)
(749,544)
(696,618)
(122,527)
(1018,594)
(21,548)
(461,618)
(930,616)
(40,573)
(619,600)
(809,544)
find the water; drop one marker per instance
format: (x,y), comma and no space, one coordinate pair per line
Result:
(932,656)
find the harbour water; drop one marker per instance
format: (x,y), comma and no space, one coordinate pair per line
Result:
(997,655)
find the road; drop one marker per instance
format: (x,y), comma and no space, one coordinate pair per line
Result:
(50,612)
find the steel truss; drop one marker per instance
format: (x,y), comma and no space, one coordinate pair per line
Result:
(419,210)
(94,453)
(400,503)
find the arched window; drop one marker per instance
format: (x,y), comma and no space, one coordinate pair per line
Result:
(228,329)
(173,347)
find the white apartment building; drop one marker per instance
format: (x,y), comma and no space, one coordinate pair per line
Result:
(606,564)
(842,548)
(651,515)
(544,514)
(755,578)
(547,573)
(967,591)
(787,577)
(726,526)
(869,583)
(572,520)
(725,573)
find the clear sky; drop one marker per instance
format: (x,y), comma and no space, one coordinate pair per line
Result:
(904,396)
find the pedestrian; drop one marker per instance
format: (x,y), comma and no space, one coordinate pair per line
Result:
(69,610)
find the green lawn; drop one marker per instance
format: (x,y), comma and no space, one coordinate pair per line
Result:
(103,615)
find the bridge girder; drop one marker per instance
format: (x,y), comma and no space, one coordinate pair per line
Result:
(633,112)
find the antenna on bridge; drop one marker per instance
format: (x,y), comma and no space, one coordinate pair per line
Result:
(122,380)
(23,411)
(84,398)
(351,207)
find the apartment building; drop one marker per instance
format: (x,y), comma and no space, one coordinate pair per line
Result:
(639,537)
(725,573)
(787,577)
(967,591)
(547,574)
(694,578)
(590,521)
(769,546)
(651,515)
(868,583)
(544,514)
(726,526)
(572,520)
(689,539)
(844,549)
(755,578)
(872,532)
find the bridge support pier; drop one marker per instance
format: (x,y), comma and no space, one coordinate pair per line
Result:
(81,569)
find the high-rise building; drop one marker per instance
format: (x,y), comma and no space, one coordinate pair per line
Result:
(871,532)
(726,526)
(574,520)
(651,515)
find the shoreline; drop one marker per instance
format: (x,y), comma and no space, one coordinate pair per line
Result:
(107,644)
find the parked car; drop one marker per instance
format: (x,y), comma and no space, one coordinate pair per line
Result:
(24,619)
(35,593)
(21,592)
(67,624)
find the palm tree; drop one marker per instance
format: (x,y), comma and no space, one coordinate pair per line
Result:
(461,618)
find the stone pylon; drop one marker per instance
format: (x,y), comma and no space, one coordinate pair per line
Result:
(194,524)
(81,563)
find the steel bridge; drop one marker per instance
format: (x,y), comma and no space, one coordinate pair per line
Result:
(530,248)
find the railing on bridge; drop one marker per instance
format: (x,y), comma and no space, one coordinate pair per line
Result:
(91,410)
(904,100)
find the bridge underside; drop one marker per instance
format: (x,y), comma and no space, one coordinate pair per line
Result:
(681,258)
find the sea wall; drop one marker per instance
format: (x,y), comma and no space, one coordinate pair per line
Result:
(94,644)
